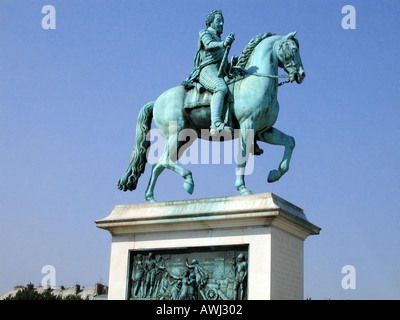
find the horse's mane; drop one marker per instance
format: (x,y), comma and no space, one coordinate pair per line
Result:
(248,50)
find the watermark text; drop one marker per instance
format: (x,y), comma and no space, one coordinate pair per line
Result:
(199,150)
(349,20)
(50,278)
(349,280)
(49,20)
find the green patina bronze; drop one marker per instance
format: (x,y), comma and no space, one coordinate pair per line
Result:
(225,100)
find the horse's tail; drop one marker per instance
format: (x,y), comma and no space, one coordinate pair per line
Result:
(138,160)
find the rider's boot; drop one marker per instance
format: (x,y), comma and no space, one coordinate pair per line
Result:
(217,103)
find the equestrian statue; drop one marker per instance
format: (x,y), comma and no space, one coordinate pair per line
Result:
(221,101)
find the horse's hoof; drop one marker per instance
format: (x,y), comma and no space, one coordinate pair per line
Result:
(244,191)
(188,186)
(274,175)
(150,199)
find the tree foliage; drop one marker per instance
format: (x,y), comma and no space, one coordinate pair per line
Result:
(29,293)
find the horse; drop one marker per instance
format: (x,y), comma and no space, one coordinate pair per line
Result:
(253,112)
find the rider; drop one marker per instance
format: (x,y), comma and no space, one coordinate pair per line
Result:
(207,64)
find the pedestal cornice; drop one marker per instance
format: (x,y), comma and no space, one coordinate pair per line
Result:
(254,210)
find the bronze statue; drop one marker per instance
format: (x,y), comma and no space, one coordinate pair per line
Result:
(210,67)
(251,109)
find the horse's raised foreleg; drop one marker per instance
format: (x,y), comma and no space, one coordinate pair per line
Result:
(246,139)
(276,137)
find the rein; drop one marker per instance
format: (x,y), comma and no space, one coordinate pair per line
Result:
(265,75)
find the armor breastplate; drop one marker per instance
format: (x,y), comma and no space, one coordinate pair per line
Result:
(209,56)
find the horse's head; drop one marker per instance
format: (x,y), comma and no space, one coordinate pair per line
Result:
(289,57)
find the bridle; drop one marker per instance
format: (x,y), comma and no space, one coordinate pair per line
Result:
(288,63)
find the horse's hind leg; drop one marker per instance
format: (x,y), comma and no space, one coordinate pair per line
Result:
(168,161)
(158,168)
(155,172)
(188,184)
(175,151)
(276,137)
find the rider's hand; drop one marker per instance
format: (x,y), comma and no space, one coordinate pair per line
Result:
(229,39)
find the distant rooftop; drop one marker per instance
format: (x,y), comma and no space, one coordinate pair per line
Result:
(99,292)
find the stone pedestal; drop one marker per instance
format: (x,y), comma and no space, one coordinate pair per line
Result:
(268,229)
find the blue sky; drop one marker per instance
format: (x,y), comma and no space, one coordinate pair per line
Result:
(69,99)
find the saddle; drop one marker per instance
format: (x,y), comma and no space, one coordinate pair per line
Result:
(198,96)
